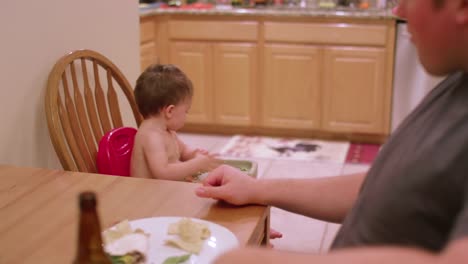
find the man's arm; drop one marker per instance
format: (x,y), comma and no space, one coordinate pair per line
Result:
(327,199)
(455,253)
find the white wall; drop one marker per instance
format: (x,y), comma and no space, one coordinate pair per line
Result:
(33,36)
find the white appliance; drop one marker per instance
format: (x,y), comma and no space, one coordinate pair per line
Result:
(410,82)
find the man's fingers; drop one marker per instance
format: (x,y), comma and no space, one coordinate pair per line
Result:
(209,192)
(215,177)
(201,192)
(212,180)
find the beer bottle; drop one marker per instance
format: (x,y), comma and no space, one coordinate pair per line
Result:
(90,248)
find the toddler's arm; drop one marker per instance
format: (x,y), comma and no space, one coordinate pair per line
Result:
(160,167)
(187,152)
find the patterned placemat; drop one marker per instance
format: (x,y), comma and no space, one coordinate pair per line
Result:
(283,148)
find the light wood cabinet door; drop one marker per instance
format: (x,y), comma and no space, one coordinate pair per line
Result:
(353,92)
(235,83)
(195,60)
(147,55)
(291,91)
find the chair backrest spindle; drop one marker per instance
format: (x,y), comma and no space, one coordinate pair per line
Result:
(77,137)
(113,102)
(75,161)
(90,104)
(88,144)
(100,100)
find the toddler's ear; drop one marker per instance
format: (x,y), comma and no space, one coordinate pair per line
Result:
(168,110)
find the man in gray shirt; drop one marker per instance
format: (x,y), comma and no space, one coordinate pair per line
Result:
(412,206)
(416,192)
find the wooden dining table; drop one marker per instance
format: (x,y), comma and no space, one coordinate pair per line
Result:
(39,210)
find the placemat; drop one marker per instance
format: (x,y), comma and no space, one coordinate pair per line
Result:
(285,148)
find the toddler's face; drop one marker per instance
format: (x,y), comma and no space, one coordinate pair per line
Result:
(179,114)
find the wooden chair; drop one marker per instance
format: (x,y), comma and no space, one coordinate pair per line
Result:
(80,113)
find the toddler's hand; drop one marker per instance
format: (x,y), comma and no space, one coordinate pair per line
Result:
(208,162)
(196,151)
(202,151)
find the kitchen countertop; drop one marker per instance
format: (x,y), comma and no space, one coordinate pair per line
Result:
(282,11)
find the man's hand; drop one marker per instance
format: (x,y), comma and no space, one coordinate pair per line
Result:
(228,184)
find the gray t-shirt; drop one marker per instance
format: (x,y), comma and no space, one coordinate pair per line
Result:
(416,192)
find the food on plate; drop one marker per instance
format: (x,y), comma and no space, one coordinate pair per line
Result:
(126,246)
(191,235)
(133,257)
(177,259)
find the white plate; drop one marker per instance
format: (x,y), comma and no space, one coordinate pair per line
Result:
(220,241)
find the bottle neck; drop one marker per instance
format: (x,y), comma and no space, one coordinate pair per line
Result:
(89,235)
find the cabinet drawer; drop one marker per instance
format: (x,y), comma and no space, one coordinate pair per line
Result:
(326,33)
(147,31)
(209,30)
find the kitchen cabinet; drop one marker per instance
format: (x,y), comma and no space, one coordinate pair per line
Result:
(291,97)
(222,67)
(283,76)
(148,41)
(353,98)
(338,72)
(235,82)
(194,59)
(335,89)
(223,94)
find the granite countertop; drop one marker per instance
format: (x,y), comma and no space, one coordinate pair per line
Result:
(283,11)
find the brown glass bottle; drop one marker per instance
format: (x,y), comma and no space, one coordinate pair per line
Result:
(90,249)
